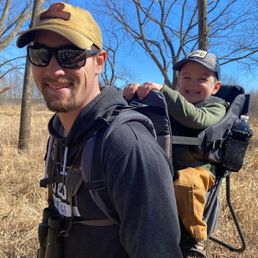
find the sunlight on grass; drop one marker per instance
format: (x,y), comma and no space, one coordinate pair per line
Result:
(22,200)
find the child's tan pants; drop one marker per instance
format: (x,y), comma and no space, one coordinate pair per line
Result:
(190,189)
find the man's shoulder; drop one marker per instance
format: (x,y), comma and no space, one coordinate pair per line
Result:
(128,121)
(130,133)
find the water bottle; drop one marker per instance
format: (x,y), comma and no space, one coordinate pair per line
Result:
(238,140)
(241,129)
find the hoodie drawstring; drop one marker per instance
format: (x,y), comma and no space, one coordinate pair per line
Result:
(50,145)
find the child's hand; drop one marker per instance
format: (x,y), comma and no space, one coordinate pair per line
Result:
(130,89)
(146,87)
(141,90)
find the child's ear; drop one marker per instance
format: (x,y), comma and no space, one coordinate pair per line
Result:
(216,87)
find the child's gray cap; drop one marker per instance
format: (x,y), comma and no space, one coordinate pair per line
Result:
(209,60)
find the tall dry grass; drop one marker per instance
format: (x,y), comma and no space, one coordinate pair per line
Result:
(22,200)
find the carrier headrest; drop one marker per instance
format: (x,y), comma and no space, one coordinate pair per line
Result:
(229,92)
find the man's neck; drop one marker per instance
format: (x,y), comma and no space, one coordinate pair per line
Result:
(67,120)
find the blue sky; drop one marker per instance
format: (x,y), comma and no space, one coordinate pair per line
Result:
(145,70)
(142,68)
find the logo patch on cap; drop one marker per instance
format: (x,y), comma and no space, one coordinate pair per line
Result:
(198,53)
(55,11)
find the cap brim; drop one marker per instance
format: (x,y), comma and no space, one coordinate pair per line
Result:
(76,38)
(178,66)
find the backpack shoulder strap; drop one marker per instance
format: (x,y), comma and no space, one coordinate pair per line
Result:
(93,177)
(92,158)
(50,160)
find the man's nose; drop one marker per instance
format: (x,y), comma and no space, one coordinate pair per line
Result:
(54,67)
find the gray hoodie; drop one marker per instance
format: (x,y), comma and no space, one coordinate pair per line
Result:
(138,183)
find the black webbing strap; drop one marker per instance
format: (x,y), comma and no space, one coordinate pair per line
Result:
(185,140)
(96,222)
(50,168)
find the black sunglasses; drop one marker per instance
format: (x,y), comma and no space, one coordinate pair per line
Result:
(69,57)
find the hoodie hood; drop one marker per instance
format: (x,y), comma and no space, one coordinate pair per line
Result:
(108,99)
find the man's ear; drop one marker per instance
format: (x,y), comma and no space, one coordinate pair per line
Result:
(216,87)
(101,59)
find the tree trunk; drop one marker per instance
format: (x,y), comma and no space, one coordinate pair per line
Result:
(25,117)
(202,25)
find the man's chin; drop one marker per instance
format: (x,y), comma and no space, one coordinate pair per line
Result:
(59,107)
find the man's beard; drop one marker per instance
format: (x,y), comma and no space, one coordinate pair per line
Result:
(61,103)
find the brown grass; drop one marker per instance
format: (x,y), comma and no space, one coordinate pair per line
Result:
(22,200)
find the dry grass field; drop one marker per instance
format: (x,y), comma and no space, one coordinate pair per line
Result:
(22,200)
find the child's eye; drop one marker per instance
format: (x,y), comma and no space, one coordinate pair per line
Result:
(203,79)
(186,78)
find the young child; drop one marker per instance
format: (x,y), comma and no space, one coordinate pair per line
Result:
(192,108)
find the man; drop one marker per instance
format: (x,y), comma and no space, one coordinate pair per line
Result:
(65,50)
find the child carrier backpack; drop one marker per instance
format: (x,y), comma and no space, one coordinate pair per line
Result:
(216,144)
(223,145)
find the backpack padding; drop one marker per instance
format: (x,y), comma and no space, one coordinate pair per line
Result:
(154,106)
(213,138)
(229,92)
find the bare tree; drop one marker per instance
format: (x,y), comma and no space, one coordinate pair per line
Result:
(10,23)
(108,75)
(202,25)
(25,117)
(168,30)
(9,65)
(113,72)
(13,16)
(4,89)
